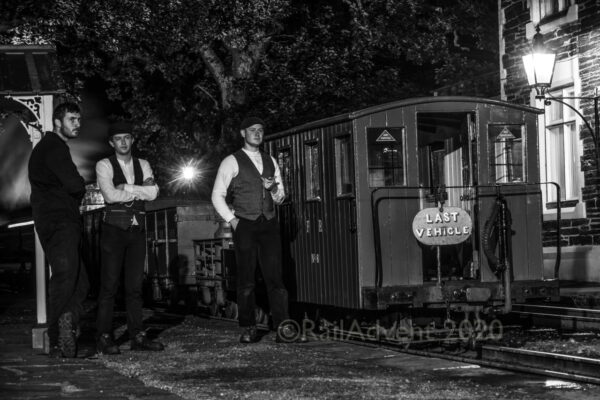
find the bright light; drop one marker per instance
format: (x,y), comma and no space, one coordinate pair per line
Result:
(539,68)
(18,224)
(188,173)
(539,64)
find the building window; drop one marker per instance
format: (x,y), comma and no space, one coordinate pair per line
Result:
(561,147)
(344,175)
(552,8)
(284,159)
(507,153)
(386,157)
(550,15)
(312,170)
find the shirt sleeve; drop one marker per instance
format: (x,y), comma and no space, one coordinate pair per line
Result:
(279,195)
(62,166)
(104,176)
(227,171)
(146,193)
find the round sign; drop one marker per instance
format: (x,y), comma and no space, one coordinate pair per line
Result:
(452,225)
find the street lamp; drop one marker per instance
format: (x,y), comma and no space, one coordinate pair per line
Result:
(539,67)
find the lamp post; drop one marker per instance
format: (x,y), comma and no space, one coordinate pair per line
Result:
(539,67)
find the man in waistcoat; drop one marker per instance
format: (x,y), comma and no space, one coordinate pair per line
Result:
(126,183)
(253,179)
(56,192)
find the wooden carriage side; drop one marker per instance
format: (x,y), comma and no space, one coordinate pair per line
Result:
(347,222)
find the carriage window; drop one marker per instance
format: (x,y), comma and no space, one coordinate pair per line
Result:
(506,153)
(386,157)
(312,170)
(284,159)
(343,165)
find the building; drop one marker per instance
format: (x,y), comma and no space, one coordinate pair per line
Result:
(571,28)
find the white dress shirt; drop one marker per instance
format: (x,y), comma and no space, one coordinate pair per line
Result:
(228,170)
(130,192)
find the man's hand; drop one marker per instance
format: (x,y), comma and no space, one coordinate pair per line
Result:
(269,184)
(120,186)
(234,223)
(149,182)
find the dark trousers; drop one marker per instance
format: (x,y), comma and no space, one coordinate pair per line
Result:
(68,285)
(121,251)
(259,241)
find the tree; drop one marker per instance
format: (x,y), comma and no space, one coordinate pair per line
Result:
(185,70)
(342,55)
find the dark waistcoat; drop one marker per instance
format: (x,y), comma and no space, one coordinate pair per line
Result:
(250,199)
(136,207)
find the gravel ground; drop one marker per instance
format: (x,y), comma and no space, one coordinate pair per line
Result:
(582,344)
(204,360)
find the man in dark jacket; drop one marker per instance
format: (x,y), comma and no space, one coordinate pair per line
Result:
(253,179)
(56,192)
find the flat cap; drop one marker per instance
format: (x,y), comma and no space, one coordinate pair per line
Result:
(249,121)
(120,127)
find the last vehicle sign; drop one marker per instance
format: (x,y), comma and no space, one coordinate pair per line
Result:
(438,227)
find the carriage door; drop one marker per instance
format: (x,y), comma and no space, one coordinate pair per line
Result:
(447,143)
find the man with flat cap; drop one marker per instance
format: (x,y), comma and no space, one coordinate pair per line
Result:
(126,182)
(253,179)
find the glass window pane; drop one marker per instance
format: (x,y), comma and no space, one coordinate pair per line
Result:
(14,74)
(551,7)
(343,165)
(506,154)
(386,157)
(312,170)
(569,114)
(47,71)
(562,147)
(556,165)
(562,5)
(571,163)
(284,159)
(554,111)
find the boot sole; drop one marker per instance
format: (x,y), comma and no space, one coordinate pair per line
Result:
(66,336)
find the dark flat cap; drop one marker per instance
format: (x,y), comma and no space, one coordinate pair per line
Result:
(120,127)
(249,121)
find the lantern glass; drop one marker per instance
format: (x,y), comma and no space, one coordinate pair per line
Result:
(539,68)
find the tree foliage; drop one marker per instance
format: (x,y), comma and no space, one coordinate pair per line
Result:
(186,71)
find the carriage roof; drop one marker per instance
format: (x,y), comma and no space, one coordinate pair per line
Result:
(399,104)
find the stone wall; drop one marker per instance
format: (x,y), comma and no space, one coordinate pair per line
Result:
(579,38)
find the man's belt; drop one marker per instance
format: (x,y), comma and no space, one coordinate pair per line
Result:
(123,219)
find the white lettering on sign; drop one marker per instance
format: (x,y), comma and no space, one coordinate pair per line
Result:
(452,225)
(442,217)
(449,231)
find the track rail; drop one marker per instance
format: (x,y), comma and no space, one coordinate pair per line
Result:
(573,368)
(560,317)
(558,365)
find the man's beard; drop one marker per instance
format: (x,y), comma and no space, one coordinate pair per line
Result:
(69,133)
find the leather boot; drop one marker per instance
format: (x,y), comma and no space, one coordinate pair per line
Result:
(142,343)
(105,345)
(250,335)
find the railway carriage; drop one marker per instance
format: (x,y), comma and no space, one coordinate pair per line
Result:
(422,203)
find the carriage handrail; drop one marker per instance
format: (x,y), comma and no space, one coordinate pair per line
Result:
(375,216)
